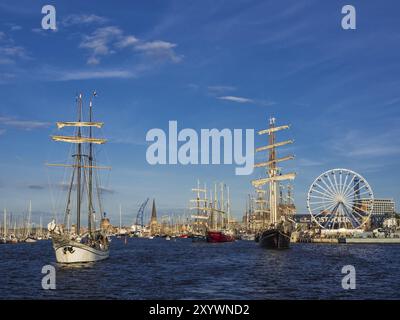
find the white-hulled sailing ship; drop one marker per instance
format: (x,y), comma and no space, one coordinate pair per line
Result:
(277,234)
(71,245)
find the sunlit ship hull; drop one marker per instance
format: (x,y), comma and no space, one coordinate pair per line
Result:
(219,236)
(75,252)
(274,239)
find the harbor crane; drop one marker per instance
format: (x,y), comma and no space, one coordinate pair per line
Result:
(140,213)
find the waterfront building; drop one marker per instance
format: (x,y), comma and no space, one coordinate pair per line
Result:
(105,225)
(383,206)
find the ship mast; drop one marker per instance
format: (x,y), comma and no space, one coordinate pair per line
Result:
(215,207)
(90,186)
(274,175)
(5,223)
(79,170)
(260,204)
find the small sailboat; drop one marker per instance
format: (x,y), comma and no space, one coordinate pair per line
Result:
(28,237)
(277,234)
(121,231)
(39,233)
(71,244)
(3,239)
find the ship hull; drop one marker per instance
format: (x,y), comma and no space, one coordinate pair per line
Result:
(218,236)
(274,239)
(74,252)
(198,238)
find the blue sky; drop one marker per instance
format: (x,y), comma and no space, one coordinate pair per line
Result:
(155,61)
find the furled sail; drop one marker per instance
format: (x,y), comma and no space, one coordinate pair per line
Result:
(279,144)
(79,124)
(266,164)
(199,190)
(199,217)
(261,182)
(78,139)
(75,166)
(273,129)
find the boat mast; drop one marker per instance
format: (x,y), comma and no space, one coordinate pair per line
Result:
(228,207)
(90,187)
(120,218)
(5,223)
(222,206)
(198,197)
(41,226)
(272,173)
(79,168)
(211,207)
(29,218)
(215,206)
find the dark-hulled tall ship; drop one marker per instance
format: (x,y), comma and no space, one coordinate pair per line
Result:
(277,232)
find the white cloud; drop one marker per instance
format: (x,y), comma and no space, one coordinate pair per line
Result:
(304,162)
(99,42)
(86,75)
(13,51)
(359,145)
(220,89)
(83,19)
(5,60)
(126,42)
(38,31)
(15,27)
(105,41)
(236,99)
(161,50)
(9,52)
(23,124)
(155,45)
(93,60)
(6,77)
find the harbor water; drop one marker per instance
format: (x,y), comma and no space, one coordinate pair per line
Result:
(180,269)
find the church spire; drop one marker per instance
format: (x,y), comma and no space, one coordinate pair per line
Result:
(153,220)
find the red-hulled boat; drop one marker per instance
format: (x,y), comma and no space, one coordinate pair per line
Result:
(219,236)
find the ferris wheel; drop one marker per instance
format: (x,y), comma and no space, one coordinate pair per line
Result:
(340,198)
